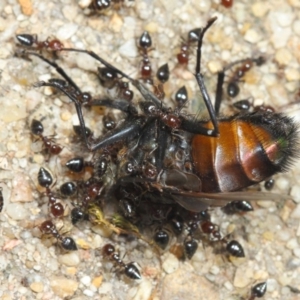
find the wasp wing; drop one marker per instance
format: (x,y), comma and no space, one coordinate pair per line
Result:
(198,201)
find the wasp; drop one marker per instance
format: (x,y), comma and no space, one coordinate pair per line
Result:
(168,164)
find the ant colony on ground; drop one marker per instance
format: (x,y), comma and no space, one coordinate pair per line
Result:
(149,170)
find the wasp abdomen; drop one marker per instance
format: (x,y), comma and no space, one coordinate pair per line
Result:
(249,149)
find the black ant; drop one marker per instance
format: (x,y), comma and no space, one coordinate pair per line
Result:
(129,269)
(258,290)
(48,227)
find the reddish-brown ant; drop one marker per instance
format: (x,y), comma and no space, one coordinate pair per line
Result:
(31,40)
(129,269)
(45,180)
(37,129)
(48,227)
(145,44)
(227,3)
(183,55)
(246,64)
(109,79)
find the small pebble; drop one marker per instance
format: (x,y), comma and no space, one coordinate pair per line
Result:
(144,290)
(66,31)
(86,280)
(37,287)
(63,287)
(296,212)
(170,264)
(70,259)
(252,36)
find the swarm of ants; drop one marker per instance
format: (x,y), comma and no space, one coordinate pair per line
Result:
(159,169)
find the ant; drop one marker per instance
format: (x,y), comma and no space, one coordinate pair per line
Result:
(246,105)
(48,227)
(31,40)
(45,180)
(129,269)
(37,129)
(145,44)
(246,64)
(91,189)
(183,55)
(109,79)
(227,3)
(258,290)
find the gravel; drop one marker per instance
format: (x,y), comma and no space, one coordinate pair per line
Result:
(33,267)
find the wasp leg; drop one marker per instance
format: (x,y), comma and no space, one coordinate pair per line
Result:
(59,69)
(221,76)
(200,81)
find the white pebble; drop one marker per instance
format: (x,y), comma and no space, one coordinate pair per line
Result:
(272,285)
(70,259)
(66,31)
(17,211)
(214,270)
(204,5)
(170,264)
(292,74)
(129,49)
(70,12)
(296,27)
(3,262)
(283,56)
(252,36)
(297,252)
(86,280)
(296,212)
(88,293)
(259,9)
(284,15)
(295,193)
(105,288)
(228,285)
(292,244)
(144,290)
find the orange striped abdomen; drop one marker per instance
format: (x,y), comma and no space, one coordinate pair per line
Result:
(242,155)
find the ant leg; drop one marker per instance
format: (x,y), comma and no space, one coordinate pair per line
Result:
(200,81)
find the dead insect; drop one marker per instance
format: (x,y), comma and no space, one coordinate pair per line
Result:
(171,164)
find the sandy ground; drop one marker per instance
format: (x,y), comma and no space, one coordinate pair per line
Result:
(35,268)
